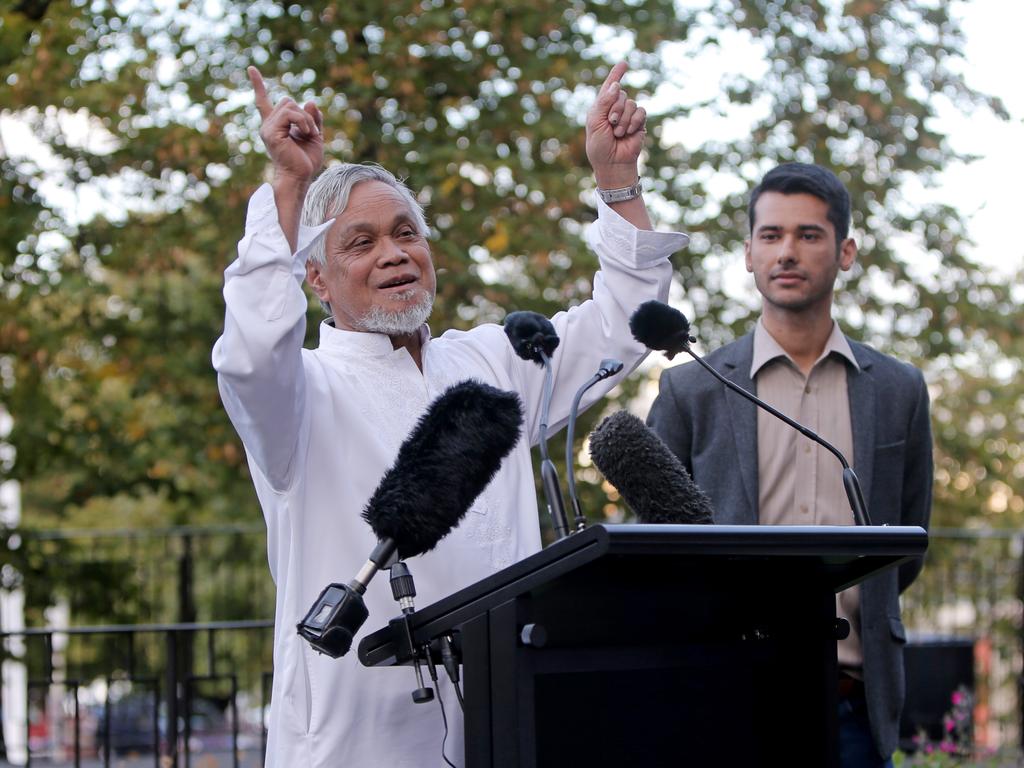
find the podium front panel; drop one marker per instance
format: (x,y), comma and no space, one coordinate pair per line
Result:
(657,645)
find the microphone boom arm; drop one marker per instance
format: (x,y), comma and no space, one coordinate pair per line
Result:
(580,520)
(850,481)
(609,367)
(548,473)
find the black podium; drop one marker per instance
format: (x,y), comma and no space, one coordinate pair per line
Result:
(651,645)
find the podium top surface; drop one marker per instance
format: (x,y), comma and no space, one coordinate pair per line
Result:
(845,555)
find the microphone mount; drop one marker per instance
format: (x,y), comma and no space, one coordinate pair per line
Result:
(403,588)
(608,367)
(533,338)
(548,473)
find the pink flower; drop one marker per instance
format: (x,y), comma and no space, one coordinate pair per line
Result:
(958,698)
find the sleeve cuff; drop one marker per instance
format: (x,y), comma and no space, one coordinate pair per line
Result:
(641,247)
(308,237)
(261,218)
(262,209)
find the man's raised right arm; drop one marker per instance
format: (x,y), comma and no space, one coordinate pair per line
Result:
(259,356)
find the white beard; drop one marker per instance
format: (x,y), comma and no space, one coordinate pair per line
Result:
(401,322)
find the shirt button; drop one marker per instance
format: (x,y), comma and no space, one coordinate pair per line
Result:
(803,508)
(807,449)
(807,389)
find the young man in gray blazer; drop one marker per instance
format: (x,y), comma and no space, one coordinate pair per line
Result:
(873,408)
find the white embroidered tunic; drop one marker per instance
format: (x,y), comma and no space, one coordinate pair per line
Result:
(321,427)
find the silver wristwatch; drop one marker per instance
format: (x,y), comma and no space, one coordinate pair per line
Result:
(620,195)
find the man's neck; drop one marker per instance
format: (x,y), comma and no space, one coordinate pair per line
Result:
(803,335)
(413,344)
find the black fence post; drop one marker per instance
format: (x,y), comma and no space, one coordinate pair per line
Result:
(1018,542)
(172,698)
(186,608)
(3,654)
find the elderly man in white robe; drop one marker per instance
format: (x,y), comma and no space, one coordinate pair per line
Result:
(321,426)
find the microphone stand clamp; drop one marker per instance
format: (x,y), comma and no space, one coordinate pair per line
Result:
(404,590)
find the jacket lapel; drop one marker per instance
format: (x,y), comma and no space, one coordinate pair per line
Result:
(743,419)
(861,392)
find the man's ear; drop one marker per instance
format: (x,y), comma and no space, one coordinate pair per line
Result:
(847,253)
(315,278)
(746,255)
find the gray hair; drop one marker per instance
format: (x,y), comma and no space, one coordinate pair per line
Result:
(328,197)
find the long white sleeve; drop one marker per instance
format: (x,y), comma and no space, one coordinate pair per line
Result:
(258,357)
(634,269)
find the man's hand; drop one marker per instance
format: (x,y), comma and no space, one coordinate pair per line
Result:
(292,134)
(615,133)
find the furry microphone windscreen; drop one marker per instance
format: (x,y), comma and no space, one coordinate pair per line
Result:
(650,478)
(446,461)
(530,332)
(658,326)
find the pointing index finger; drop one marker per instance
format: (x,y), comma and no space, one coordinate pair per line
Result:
(614,76)
(260,89)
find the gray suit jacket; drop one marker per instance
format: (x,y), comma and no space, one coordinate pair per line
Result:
(714,432)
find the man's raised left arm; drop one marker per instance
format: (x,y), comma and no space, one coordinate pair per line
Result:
(634,261)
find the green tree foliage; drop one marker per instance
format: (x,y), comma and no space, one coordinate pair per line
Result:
(111,301)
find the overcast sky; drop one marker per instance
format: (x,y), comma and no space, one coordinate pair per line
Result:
(990,190)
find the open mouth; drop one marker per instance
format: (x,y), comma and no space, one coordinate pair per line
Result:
(397,282)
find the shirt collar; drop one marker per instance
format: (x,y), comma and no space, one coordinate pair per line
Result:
(360,342)
(766,348)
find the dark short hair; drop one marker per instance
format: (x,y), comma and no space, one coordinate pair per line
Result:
(804,178)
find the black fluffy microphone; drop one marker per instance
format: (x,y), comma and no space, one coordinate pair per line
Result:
(532,335)
(446,461)
(659,326)
(533,338)
(650,478)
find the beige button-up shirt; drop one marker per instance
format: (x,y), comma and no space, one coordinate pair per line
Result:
(800,482)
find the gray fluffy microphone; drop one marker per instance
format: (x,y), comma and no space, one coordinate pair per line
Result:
(650,478)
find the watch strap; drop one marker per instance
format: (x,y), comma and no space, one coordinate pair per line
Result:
(620,195)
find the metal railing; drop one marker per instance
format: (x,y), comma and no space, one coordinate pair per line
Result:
(169,692)
(86,682)
(174,683)
(180,574)
(971,589)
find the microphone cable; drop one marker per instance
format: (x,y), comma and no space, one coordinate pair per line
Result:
(451,666)
(432,668)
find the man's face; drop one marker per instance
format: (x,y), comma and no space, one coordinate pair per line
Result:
(792,252)
(377,264)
